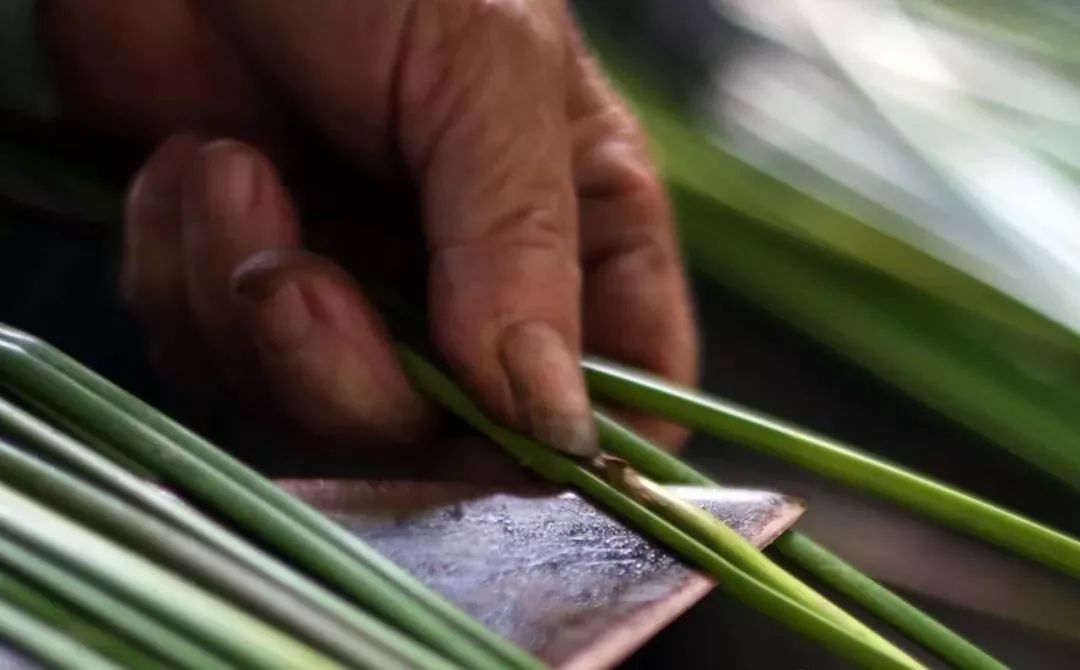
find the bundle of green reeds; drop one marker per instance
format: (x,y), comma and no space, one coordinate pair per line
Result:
(99,568)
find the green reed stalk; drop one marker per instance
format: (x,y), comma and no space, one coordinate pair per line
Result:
(396,648)
(812,557)
(175,647)
(46,643)
(726,542)
(561,469)
(93,408)
(193,559)
(218,624)
(833,459)
(75,624)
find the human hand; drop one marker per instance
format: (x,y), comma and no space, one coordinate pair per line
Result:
(546,229)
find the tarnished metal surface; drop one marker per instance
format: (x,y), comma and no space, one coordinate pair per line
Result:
(545,569)
(542,567)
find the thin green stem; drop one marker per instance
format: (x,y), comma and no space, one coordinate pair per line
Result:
(100,412)
(75,624)
(64,449)
(47,644)
(812,557)
(832,459)
(719,537)
(645,456)
(176,648)
(661,465)
(559,468)
(213,621)
(193,559)
(905,617)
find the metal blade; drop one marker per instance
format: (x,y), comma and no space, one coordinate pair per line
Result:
(543,568)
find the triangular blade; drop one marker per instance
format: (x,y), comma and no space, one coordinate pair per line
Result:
(543,568)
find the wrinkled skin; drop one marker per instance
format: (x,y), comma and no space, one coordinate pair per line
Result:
(545,228)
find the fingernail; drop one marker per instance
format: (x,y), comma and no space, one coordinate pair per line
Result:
(276,305)
(548,389)
(230,177)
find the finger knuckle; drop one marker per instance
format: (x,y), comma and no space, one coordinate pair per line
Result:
(534,226)
(618,166)
(641,184)
(531,25)
(647,257)
(527,229)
